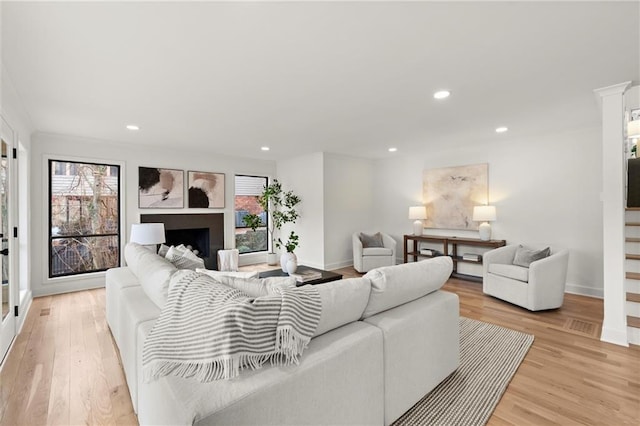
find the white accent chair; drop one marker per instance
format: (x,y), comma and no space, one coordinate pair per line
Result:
(366,259)
(538,287)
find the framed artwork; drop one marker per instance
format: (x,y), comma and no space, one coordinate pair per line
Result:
(206,190)
(451,193)
(160,188)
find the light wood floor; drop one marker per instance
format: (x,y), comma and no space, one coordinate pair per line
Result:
(64,369)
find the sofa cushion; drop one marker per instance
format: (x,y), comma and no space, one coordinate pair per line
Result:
(133,253)
(377,251)
(343,302)
(394,285)
(153,272)
(515,272)
(239,274)
(525,256)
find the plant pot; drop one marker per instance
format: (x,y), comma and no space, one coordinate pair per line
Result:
(292,265)
(272,258)
(285,258)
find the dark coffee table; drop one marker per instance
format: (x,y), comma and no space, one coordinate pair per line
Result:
(326,277)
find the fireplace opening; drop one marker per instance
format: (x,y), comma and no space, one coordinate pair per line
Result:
(203,232)
(198,239)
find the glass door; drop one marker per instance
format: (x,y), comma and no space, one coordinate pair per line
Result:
(7,293)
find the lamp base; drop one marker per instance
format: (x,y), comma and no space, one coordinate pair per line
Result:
(418,227)
(485,231)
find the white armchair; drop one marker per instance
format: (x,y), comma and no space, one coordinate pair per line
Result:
(366,259)
(540,286)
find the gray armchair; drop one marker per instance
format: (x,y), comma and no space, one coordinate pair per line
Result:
(366,259)
(540,286)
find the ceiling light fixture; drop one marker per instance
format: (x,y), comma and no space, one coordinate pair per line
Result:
(132,127)
(265,148)
(501,129)
(393,149)
(441,94)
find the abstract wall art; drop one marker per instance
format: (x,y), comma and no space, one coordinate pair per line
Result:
(160,188)
(451,193)
(206,190)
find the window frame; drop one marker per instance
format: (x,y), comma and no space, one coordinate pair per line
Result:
(119,201)
(266,227)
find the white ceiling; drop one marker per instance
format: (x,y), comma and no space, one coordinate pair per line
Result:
(352,78)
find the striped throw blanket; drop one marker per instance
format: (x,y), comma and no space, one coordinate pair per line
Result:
(209,331)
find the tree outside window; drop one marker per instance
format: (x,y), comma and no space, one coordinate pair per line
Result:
(84,217)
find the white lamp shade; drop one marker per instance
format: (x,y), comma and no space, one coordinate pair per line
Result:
(633,129)
(147,233)
(484,213)
(418,212)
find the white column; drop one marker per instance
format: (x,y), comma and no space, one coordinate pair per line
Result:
(614,327)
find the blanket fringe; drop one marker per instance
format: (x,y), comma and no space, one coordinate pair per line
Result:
(207,370)
(289,345)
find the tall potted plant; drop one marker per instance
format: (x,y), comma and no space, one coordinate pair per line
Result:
(281,207)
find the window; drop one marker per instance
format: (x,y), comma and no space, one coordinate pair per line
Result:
(84,218)
(60,168)
(248,189)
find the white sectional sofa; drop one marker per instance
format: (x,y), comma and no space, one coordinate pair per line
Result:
(383,342)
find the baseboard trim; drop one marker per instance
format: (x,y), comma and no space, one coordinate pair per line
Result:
(64,289)
(337,265)
(24,310)
(584,291)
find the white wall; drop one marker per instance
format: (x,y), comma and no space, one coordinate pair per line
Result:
(69,147)
(348,206)
(337,200)
(18,119)
(304,175)
(546,191)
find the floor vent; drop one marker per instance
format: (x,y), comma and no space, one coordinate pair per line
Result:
(45,311)
(582,327)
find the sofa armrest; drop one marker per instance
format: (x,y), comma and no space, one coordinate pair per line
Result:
(357,251)
(503,255)
(390,242)
(547,280)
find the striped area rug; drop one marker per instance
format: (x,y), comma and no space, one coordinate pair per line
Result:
(489,357)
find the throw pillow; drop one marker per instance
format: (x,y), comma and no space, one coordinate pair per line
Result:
(238,274)
(374,240)
(256,287)
(524,256)
(184,258)
(162,251)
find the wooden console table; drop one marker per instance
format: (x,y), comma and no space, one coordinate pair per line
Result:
(454,242)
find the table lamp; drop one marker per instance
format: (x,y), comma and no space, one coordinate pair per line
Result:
(148,234)
(484,214)
(418,213)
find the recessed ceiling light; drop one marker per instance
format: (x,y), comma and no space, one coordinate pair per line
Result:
(441,94)
(501,129)
(132,127)
(393,149)
(265,148)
